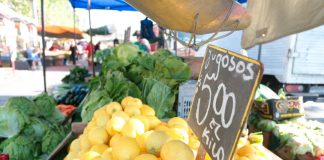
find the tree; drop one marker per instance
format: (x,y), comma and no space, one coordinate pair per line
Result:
(57,12)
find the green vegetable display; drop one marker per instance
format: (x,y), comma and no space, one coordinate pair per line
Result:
(129,72)
(31,134)
(77,75)
(301,135)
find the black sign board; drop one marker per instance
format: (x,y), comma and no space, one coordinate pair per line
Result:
(223,97)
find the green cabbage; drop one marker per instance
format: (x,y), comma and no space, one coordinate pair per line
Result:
(20,147)
(45,104)
(22,104)
(36,129)
(52,138)
(11,122)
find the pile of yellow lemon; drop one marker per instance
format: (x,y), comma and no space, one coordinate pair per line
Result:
(249,148)
(131,131)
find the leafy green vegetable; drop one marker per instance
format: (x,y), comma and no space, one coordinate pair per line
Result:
(52,138)
(11,122)
(56,117)
(20,147)
(22,104)
(45,104)
(159,96)
(266,125)
(127,72)
(36,129)
(101,55)
(77,75)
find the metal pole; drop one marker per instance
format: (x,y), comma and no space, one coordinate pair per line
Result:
(175,43)
(44,44)
(91,45)
(74,36)
(259,52)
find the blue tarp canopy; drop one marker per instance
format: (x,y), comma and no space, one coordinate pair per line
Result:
(119,5)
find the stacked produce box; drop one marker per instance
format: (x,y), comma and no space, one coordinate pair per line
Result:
(291,135)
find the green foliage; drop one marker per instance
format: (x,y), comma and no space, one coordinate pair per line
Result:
(11,122)
(128,72)
(45,104)
(22,104)
(77,75)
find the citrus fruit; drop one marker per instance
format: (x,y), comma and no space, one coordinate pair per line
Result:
(132,128)
(132,111)
(176,150)
(113,107)
(154,142)
(147,110)
(98,135)
(84,142)
(99,148)
(178,134)
(131,102)
(99,112)
(114,139)
(115,125)
(120,114)
(107,154)
(125,149)
(178,122)
(161,127)
(141,140)
(90,155)
(154,121)
(75,145)
(144,120)
(101,120)
(146,157)
(245,150)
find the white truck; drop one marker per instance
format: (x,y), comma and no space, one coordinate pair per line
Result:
(295,62)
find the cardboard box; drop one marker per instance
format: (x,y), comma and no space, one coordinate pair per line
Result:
(278,109)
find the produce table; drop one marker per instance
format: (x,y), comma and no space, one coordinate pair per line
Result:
(78,127)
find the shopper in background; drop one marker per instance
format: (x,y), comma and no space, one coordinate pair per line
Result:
(74,50)
(142,43)
(90,50)
(116,42)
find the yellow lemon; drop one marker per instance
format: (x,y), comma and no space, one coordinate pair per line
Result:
(154,142)
(107,154)
(102,120)
(98,136)
(120,114)
(141,140)
(144,120)
(178,134)
(99,112)
(90,155)
(194,143)
(99,148)
(131,102)
(243,158)
(146,110)
(92,124)
(114,139)
(146,157)
(100,158)
(84,142)
(242,142)
(115,125)
(71,156)
(245,150)
(154,121)
(132,111)
(161,127)
(75,145)
(113,107)
(132,128)
(207,157)
(176,150)
(125,149)
(178,122)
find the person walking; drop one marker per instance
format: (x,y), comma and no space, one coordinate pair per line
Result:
(74,50)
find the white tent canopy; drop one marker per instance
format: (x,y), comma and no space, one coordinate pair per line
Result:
(273,19)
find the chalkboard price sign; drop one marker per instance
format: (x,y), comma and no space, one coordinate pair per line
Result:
(223,97)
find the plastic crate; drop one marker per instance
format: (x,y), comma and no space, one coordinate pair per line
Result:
(186,93)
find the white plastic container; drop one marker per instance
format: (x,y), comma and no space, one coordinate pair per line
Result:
(186,93)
